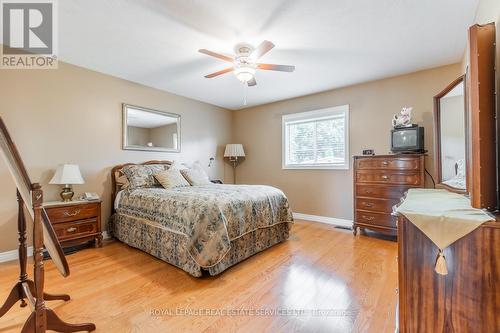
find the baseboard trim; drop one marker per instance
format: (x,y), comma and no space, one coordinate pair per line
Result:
(324,219)
(13,255)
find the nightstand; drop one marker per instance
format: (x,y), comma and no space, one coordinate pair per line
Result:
(75,222)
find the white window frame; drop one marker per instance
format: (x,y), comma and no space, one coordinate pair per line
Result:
(315,115)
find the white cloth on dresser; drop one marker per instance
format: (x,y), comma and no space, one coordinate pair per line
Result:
(443,216)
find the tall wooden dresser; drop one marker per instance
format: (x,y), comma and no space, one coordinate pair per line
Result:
(379,183)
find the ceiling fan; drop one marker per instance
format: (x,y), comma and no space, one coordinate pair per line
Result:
(244,63)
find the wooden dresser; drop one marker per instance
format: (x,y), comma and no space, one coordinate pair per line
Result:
(76,222)
(379,183)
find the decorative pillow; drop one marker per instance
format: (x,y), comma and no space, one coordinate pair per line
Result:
(171,178)
(143,175)
(196,177)
(121,181)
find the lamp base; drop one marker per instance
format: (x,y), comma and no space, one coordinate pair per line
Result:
(67,194)
(234,160)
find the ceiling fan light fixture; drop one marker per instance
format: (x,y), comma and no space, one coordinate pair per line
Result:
(244,73)
(244,62)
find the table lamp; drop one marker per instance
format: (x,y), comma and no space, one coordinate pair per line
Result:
(233,151)
(67,175)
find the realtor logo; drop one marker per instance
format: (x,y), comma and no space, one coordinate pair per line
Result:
(28,34)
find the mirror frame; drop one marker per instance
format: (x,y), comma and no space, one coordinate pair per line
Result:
(437,136)
(125,146)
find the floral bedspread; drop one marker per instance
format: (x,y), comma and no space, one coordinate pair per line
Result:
(210,216)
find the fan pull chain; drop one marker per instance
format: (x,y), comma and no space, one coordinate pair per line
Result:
(245,93)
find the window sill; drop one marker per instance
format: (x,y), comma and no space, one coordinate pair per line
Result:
(315,167)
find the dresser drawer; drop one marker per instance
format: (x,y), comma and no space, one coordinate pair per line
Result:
(388,177)
(381,191)
(376,205)
(70,213)
(389,163)
(82,228)
(376,219)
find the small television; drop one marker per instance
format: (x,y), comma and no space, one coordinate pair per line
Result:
(407,139)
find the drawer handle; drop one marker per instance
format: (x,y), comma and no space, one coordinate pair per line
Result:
(385,177)
(72,229)
(367,204)
(368,218)
(368,192)
(68,214)
(385,163)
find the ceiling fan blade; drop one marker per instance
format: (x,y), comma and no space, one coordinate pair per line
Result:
(216,55)
(252,82)
(224,71)
(272,67)
(262,49)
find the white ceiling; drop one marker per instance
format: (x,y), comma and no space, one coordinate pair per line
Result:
(332,43)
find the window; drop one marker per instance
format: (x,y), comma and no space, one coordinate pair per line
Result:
(316,139)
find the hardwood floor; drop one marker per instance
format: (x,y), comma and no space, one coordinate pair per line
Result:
(121,289)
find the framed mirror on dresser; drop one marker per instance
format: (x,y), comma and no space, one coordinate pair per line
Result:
(450,137)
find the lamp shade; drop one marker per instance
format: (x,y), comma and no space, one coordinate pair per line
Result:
(234,150)
(67,174)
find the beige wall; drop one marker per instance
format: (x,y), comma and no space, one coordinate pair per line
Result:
(372,105)
(74,115)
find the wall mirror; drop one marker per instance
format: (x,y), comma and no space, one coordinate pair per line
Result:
(450,114)
(150,130)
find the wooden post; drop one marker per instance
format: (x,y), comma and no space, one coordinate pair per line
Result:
(39,273)
(23,252)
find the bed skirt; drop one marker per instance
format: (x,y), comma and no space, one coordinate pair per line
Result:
(172,247)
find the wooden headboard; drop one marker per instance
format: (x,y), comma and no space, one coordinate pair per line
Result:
(117,170)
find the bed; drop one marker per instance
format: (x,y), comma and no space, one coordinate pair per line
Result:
(206,228)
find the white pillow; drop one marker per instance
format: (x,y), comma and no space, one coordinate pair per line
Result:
(196,177)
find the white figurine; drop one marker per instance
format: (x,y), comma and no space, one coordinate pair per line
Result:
(403,118)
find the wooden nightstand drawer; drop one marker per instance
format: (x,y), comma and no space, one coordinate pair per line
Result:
(76,222)
(72,213)
(79,229)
